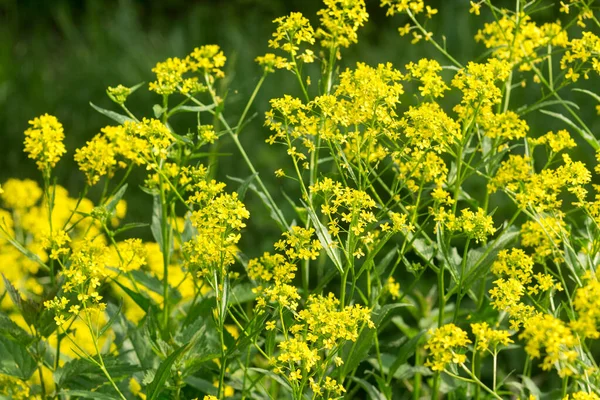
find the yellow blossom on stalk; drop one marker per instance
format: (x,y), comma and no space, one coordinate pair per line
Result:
(476,226)
(582,396)
(367,94)
(340,21)
(511,174)
(118,94)
(169,75)
(587,305)
(298,244)
(545,235)
(506,125)
(475,8)
(477,82)
(427,72)
(555,141)
(517,39)
(445,345)
(292,31)
(96,159)
(400,6)
(208,59)
(487,337)
(506,296)
(270,62)
(20,194)
(546,334)
(151,139)
(582,54)
(13,388)
(422,166)
(392,287)
(57,243)
(427,126)
(218,220)
(44,141)
(515,264)
(129,255)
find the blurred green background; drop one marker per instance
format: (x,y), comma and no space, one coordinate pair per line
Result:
(57,56)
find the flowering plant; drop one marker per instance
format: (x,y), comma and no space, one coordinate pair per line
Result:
(386,162)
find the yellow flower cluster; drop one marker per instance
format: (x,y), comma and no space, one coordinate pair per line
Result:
(486,337)
(427,72)
(400,6)
(556,142)
(445,345)
(582,56)
(322,326)
(582,396)
(96,159)
(476,225)
(274,274)
(545,235)
(298,244)
(44,141)
(118,94)
(207,60)
(546,334)
(517,39)
(13,388)
(505,125)
(340,21)
(587,305)
(515,272)
(477,83)
(83,276)
(291,32)
(218,220)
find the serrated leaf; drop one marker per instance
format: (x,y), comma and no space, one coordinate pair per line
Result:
(15,360)
(164,372)
(10,329)
(120,118)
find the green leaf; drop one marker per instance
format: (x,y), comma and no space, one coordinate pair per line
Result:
(164,372)
(373,393)
(11,330)
(585,134)
(111,321)
(245,185)
(86,394)
(82,374)
(193,109)
(131,225)
(274,211)
(589,93)
(325,238)
(15,360)
(120,118)
(405,351)
(273,376)
(141,300)
(112,204)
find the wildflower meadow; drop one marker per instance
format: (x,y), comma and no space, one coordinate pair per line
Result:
(434,238)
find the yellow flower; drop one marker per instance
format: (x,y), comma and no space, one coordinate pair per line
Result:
(445,345)
(20,194)
(44,141)
(487,337)
(96,159)
(475,8)
(340,21)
